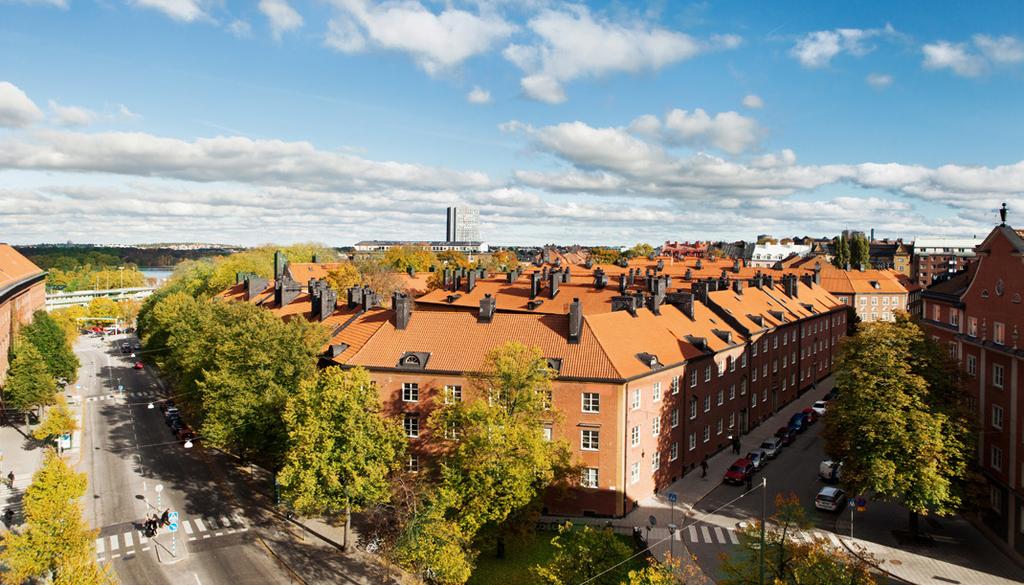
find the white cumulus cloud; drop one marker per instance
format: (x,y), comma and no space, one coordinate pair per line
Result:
(281,16)
(879,80)
(753,101)
(72,115)
(437,41)
(954,56)
(816,49)
(240,28)
(183,10)
(16,109)
(478,95)
(1004,50)
(571,43)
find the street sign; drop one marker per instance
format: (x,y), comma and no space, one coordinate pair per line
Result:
(673,497)
(159,488)
(172,527)
(852,502)
(172,517)
(861,502)
(120,387)
(65,441)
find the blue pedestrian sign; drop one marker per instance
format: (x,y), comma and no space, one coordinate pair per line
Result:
(120,387)
(673,497)
(172,527)
(172,517)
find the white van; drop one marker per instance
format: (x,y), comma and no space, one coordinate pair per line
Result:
(830,471)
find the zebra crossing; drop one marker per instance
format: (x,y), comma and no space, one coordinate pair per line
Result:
(702,533)
(152,394)
(123,542)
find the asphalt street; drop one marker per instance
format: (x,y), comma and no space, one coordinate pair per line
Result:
(128,451)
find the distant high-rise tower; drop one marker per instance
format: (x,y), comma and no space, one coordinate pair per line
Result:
(463,224)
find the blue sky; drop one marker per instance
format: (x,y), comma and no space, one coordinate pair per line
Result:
(341,120)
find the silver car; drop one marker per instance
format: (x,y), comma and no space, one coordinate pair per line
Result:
(771,447)
(758,457)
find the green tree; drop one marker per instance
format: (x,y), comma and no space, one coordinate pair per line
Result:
(667,572)
(503,261)
(58,421)
(56,544)
(453,259)
(594,555)
(104,307)
(436,545)
(841,252)
(604,255)
(888,424)
(344,277)
(859,253)
(402,258)
(51,340)
(640,250)
(29,384)
(788,561)
(342,449)
(70,321)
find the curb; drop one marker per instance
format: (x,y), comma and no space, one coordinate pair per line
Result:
(877,566)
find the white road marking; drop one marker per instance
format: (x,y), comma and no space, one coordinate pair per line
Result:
(693,533)
(187,526)
(719,535)
(199,524)
(145,548)
(219,534)
(99,546)
(706,534)
(206,536)
(127,539)
(115,555)
(113,542)
(732,536)
(191,538)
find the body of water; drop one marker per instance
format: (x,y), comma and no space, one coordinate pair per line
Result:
(160,274)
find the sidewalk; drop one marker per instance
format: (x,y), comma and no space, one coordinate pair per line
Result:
(22,455)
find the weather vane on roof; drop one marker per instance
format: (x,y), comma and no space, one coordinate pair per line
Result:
(1002,214)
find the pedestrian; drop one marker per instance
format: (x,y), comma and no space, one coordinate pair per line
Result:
(10,479)
(8,517)
(704,468)
(750,482)
(165,517)
(736,445)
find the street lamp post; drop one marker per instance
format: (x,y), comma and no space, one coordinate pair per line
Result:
(764,517)
(120,270)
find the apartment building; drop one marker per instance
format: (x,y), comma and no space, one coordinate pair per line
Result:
(940,257)
(22,293)
(876,295)
(978,316)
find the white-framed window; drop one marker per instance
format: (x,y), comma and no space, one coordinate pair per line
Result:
(764,345)
(707,403)
(656,426)
(410,392)
(675,417)
(707,433)
(719,426)
(412,425)
(793,335)
(743,387)
(743,361)
(636,399)
(673,452)
(675,385)
(764,395)
(721,397)
(995,498)
(998,332)
(972,326)
(634,436)
(775,366)
(656,461)
(885,300)
(764,371)
(753,349)
(783,383)
(792,378)
(707,373)
(546,433)
(753,374)
(591,402)
(874,301)
(692,441)
(997,375)
(775,342)
(451,432)
(972,365)
(732,364)
(997,416)
(732,391)
(547,399)
(996,458)
(656,391)
(452,394)
(792,359)
(588,479)
(954,318)
(753,399)
(721,368)
(693,378)
(590,439)
(785,339)
(693,407)
(412,463)
(732,420)
(634,473)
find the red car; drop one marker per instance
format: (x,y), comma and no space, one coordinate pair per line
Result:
(810,415)
(139,365)
(185,433)
(787,435)
(739,471)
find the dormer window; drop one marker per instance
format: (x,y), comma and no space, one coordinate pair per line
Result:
(649,359)
(413,360)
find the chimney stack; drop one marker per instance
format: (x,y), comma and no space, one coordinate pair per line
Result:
(736,266)
(487,306)
(737,286)
(575,321)
(600,279)
(355,296)
(471,281)
(534,284)
(682,301)
(554,279)
(370,299)
(279,264)
(457,279)
(791,286)
(700,292)
(688,276)
(817,273)
(565,275)
(661,265)
(402,305)
(631,278)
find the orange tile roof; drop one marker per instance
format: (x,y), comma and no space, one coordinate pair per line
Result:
(14,266)
(838,281)
(303,272)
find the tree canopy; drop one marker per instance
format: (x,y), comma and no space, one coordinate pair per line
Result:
(51,340)
(344,277)
(56,543)
(29,384)
(585,553)
(453,259)
(58,420)
(341,449)
(897,422)
(640,250)
(417,258)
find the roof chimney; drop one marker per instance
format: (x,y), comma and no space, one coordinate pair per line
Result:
(600,279)
(631,277)
(575,321)
(737,286)
(622,284)
(316,257)
(534,284)
(699,264)
(688,276)
(448,278)
(487,306)
(682,301)
(807,279)
(565,275)
(355,296)
(588,264)
(279,263)
(661,265)
(817,273)
(736,266)
(253,286)
(286,290)
(402,305)
(471,281)
(791,286)
(769,280)
(554,279)
(624,303)
(370,299)
(700,292)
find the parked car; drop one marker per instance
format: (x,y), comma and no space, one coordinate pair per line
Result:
(125,348)
(830,395)
(165,405)
(171,414)
(787,435)
(820,407)
(739,471)
(176,425)
(137,346)
(771,447)
(830,471)
(798,422)
(758,457)
(139,365)
(810,417)
(830,499)
(185,433)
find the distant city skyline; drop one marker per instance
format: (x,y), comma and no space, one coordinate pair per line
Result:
(592,123)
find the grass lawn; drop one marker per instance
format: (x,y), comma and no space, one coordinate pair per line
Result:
(520,555)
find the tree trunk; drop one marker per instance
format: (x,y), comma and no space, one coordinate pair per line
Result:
(500,552)
(348,525)
(915,524)
(28,426)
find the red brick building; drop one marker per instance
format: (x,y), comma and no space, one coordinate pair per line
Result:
(652,375)
(979,316)
(22,292)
